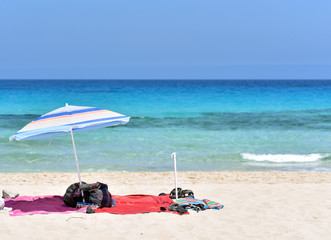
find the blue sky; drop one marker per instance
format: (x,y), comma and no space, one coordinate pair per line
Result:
(239,39)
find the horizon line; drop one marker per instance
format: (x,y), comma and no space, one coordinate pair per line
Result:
(165,79)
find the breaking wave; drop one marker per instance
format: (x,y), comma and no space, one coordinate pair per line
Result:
(284,158)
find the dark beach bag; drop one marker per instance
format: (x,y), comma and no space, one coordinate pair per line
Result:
(73,195)
(97,193)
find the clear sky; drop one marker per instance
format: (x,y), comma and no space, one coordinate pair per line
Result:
(166,39)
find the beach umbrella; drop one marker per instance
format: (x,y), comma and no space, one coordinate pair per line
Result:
(69,119)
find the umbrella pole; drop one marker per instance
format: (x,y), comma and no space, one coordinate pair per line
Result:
(73,144)
(175,170)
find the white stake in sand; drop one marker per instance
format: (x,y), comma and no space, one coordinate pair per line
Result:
(173,155)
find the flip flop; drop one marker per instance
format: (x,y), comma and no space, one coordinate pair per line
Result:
(187,193)
(177,208)
(173,193)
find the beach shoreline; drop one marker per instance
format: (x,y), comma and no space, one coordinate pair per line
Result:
(257,205)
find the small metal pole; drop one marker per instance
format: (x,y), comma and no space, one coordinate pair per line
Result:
(173,155)
(73,144)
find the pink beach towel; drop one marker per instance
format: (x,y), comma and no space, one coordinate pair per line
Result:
(131,204)
(28,205)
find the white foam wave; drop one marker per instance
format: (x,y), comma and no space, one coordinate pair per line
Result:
(283,158)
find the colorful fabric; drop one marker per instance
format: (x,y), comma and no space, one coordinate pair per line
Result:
(130,204)
(133,204)
(212,204)
(64,119)
(28,205)
(190,202)
(197,204)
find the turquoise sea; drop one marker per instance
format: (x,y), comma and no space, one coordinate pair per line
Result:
(212,125)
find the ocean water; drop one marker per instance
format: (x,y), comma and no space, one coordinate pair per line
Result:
(211,125)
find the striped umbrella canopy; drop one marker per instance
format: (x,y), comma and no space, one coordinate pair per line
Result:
(69,119)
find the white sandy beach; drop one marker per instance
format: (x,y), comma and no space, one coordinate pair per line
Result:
(257,205)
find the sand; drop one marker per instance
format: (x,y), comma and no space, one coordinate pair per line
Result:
(258,205)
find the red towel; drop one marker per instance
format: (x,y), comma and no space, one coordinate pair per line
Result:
(139,203)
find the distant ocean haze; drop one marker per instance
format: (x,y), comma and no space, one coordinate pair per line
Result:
(212,125)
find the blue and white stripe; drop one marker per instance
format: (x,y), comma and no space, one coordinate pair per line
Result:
(64,119)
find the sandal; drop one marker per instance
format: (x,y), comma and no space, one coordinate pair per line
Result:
(187,193)
(177,208)
(173,193)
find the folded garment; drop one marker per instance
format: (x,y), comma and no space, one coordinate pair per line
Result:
(212,204)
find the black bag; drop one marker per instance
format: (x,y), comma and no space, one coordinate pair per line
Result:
(95,193)
(73,195)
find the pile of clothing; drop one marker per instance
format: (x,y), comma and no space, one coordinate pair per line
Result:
(186,201)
